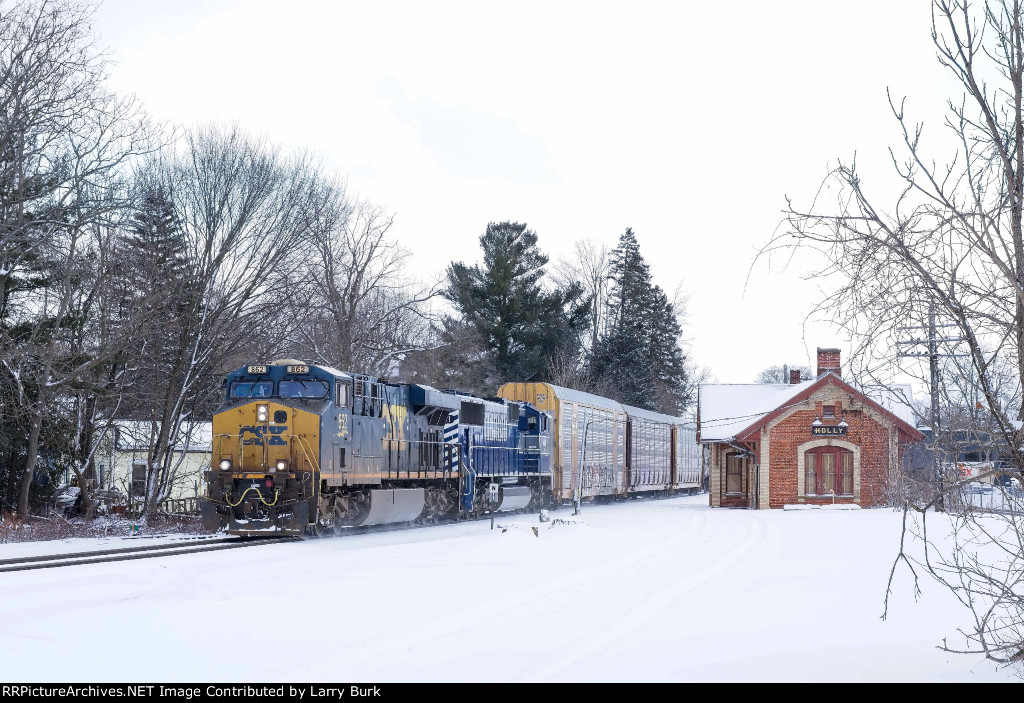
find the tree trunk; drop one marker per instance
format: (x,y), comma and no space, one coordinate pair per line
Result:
(30,462)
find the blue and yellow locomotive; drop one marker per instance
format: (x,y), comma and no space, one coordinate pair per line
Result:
(299,447)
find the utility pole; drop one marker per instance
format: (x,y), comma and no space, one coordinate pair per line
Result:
(933,372)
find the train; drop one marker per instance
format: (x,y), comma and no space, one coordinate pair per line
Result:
(302,448)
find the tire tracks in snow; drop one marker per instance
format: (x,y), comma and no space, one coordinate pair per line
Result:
(454,623)
(656,602)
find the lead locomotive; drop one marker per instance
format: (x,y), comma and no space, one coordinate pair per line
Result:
(298,447)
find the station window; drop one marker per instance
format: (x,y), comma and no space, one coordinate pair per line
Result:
(828,471)
(733,474)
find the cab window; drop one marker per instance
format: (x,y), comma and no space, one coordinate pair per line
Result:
(341,399)
(252,389)
(303,389)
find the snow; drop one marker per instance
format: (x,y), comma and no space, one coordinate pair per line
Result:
(663,590)
(333,371)
(894,399)
(831,506)
(74,545)
(728,408)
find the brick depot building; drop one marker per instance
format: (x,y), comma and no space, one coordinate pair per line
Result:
(819,442)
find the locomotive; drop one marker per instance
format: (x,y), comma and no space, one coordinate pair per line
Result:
(306,448)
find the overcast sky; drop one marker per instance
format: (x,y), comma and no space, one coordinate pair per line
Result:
(688,122)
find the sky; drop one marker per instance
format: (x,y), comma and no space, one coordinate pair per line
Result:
(690,123)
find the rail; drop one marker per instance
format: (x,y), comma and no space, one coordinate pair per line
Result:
(194,546)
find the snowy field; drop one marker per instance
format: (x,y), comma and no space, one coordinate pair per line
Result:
(664,590)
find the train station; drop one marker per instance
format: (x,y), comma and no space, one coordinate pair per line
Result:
(815,442)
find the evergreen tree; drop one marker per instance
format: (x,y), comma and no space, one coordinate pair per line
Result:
(156,292)
(638,360)
(520,324)
(156,260)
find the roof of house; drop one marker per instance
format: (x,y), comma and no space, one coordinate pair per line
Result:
(728,410)
(133,435)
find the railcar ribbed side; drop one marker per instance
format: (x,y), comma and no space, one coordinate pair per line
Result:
(604,448)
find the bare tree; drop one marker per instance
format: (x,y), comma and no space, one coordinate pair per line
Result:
(359,308)
(780,374)
(64,141)
(589,267)
(454,355)
(947,247)
(244,209)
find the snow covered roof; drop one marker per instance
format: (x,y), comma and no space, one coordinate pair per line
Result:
(132,435)
(728,408)
(894,399)
(333,371)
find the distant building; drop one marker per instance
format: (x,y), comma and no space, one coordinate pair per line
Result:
(818,441)
(122,455)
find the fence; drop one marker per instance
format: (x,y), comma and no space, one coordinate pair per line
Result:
(171,506)
(998,499)
(180,506)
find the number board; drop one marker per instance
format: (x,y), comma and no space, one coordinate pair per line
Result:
(298,369)
(255,370)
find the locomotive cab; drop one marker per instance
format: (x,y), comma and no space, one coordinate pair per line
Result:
(534,434)
(266,447)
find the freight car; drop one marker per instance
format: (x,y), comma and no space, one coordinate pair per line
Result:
(602,448)
(299,447)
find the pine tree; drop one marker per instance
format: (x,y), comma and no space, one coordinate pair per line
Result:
(156,291)
(638,360)
(519,322)
(156,262)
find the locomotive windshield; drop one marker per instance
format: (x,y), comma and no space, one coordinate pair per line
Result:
(303,389)
(252,389)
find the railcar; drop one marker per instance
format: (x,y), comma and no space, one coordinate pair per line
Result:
(602,448)
(299,447)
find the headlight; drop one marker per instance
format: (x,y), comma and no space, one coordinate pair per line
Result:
(282,465)
(262,413)
(225,464)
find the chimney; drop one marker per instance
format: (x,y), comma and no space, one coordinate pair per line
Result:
(828,360)
(794,376)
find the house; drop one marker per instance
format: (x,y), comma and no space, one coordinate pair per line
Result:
(815,442)
(124,450)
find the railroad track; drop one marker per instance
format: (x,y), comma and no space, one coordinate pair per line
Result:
(49,561)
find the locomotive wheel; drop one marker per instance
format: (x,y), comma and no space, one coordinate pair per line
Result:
(336,528)
(317,528)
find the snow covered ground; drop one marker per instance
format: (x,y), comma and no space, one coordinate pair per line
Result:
(664,590)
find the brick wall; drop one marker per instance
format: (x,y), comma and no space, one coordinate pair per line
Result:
(866,429)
